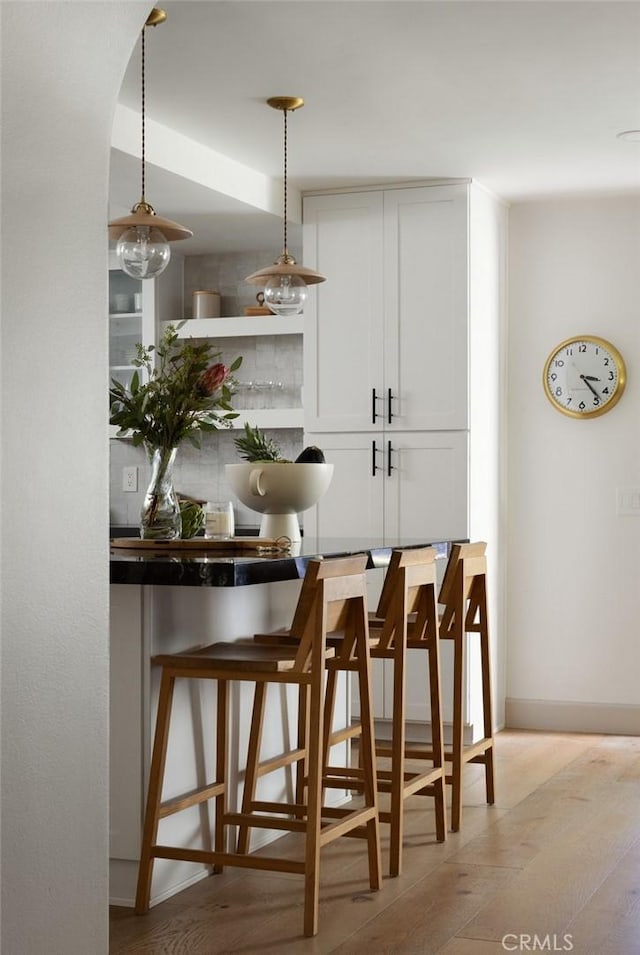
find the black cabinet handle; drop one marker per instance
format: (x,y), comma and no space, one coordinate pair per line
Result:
(390,467)
(374,467)
(374,398)
(389,411)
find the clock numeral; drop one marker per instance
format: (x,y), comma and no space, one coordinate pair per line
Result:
(611,376)
(582,406)
(596,401)
(553,376)
(559,363)
(605,391)
(558,392)
(569,352)
(582,348)
(606,362)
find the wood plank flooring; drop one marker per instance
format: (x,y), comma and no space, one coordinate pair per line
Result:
(553,866)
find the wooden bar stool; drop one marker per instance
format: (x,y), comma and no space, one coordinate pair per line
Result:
(463,596)
(409,592)
(336,601)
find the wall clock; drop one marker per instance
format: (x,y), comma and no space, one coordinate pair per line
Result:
(584,376)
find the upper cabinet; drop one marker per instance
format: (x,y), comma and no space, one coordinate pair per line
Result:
(136,309)
(386,337)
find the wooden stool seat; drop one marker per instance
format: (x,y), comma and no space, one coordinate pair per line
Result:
(334,600)
(266,658)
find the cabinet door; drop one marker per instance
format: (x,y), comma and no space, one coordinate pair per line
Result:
(425,485)
(426,307)
(136,310)
(353,505)
(343,338)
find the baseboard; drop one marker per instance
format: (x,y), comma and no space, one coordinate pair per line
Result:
(421,732)
(566,717)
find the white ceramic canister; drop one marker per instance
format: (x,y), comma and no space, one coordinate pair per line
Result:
(206,303)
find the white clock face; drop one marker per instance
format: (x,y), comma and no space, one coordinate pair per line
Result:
(584,377)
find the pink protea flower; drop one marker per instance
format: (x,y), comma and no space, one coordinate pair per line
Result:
(212,379)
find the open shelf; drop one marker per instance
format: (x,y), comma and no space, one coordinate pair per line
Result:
(241,326)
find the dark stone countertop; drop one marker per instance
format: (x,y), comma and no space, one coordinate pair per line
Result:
(238,570)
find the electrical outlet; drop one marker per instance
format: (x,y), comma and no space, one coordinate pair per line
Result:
(130,478)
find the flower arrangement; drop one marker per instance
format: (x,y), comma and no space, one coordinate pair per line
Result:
(186,393)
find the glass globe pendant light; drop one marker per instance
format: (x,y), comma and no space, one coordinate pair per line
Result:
(143,237)
(285,282)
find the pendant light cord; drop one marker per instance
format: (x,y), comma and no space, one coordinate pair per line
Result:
(285,249)
(142,113)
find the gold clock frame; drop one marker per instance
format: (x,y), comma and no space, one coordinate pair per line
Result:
(620,365)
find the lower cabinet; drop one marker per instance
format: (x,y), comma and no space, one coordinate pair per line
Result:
(404,484)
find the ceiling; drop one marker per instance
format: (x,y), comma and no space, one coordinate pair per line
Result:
(525,97)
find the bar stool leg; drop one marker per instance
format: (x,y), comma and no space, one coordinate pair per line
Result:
(154,795)
(437,742)
(302,766)
(458,731)
(487,708)
(368,759)
(253,759)
(314,809)
(398,750)
(222,763)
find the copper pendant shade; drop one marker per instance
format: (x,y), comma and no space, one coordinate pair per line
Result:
(285,275)
(143,228)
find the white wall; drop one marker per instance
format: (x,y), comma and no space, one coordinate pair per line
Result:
(488,235)
(57,109)
(574,565)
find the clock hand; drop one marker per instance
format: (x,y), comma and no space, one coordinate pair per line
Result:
(587,382)
(589,377)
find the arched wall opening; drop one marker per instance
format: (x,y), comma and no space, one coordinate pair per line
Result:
(62,67)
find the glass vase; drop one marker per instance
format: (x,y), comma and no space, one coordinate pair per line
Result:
(160,514)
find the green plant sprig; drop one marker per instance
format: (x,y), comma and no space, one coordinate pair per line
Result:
(185,393)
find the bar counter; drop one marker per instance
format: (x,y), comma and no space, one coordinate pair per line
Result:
(239,568)
(165,600)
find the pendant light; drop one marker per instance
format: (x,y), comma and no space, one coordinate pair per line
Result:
(285,282)
(143,237)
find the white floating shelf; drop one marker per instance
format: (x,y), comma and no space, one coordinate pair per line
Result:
(263,418)
(241,326)
(266,418)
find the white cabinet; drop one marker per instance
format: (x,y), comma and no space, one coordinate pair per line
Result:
(404,371)
(406,486)
(386,337)
(136,308)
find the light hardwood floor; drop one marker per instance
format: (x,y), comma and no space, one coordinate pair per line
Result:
(556,860)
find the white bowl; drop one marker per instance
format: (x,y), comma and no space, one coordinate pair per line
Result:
(279,492)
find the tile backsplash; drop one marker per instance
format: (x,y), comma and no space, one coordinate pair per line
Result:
(270,376)
(226,273)
(197,472)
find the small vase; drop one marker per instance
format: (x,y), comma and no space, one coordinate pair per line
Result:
(160,514)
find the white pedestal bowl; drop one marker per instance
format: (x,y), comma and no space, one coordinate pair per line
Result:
(279,492)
